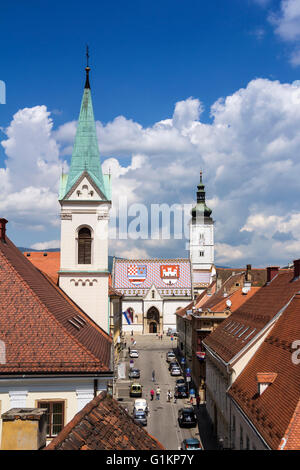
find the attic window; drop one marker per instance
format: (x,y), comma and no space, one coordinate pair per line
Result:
(249,334)
(237,331)
(264,379)
(27,254)
(241,334)
(45,254)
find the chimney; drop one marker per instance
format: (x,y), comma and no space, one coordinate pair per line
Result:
(3,223)
(247,279)
(24,429)
(264,379)
(248,273)
(272,271)
(296,268)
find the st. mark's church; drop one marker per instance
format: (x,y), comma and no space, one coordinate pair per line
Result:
(152,289)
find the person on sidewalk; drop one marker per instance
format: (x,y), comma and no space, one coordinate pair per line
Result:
(157,393)
(152,394)
(169,396)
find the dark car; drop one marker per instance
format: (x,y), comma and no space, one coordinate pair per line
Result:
(173,364)
(180,382)
(187,417)
(134,374)
(140,417)
(191,444)
(181,391)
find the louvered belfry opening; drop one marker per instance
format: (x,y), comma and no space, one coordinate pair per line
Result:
(84,246)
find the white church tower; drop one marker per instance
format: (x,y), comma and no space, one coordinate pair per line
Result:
(85,201)
(201,241)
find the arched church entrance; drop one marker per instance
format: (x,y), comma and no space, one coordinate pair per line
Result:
(152,320)
(153,327)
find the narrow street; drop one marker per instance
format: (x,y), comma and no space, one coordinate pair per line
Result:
(162,418)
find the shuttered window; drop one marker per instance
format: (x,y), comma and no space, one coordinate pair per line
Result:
(84,246)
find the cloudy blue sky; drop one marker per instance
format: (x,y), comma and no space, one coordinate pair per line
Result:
(177,87)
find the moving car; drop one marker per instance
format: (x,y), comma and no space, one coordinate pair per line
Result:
(191,444)
(134,353)
(181,391)
(136,390)
(140,417)
(170,356)
(187,417)
(140,404)
(134,374)
(175,371)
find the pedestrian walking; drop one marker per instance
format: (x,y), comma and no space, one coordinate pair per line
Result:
(152,394)
(153,376)
(128,349)
(169,396)
(175,398)
(134,342)
(131,332)
(157,393)
(161,336)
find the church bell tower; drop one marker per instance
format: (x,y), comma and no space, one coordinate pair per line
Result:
(85,199)
(201,240)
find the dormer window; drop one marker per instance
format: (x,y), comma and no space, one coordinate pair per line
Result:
(264,379)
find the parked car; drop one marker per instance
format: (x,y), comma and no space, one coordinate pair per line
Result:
(170,356)
(140,417)
(134,353)
(180,382)
(140,404)
(175,371)
(173,364)
(134,374)
(181,391)
(187,417)
(191,444)
(136,390)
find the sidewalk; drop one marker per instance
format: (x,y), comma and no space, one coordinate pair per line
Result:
(206,433)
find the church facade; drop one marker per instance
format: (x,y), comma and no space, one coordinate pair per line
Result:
(154,289)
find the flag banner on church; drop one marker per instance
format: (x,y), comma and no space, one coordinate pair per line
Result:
(136,273)
(169,273)
(128,314)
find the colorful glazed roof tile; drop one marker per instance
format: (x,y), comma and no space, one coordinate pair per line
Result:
(255,314)
(275,413)
(167,275)
(103,425)
(42,329)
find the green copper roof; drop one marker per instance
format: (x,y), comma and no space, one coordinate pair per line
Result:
(85,156)
(201,208)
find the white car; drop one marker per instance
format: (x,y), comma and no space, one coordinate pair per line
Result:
(140,404)
(175,371)
(134,353)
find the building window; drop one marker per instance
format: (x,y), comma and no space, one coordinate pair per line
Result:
(153,294)
(241,438)
(201,253)
(84,246)
(55,416)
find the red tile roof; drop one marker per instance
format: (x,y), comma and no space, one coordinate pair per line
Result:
(103,425)
(252,316)
(48,262)
(42,329)
(237,298)
(276,412)
(258,275)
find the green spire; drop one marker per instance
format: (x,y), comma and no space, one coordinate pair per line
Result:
(85,156)
(201,208)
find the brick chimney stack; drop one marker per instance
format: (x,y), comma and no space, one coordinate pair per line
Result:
(3,223)
(272,271)
(296,268)
(24,429)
